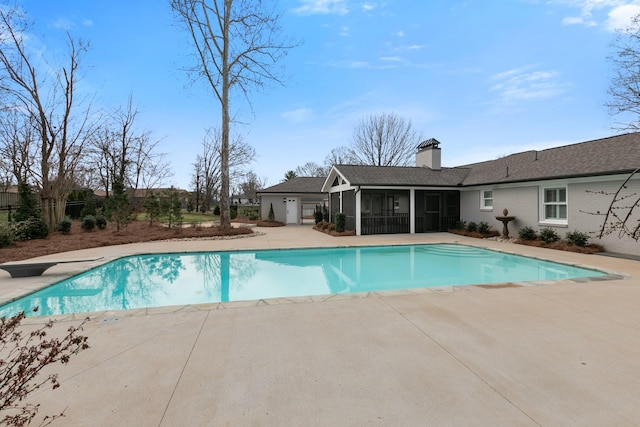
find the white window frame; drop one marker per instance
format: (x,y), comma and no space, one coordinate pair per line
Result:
(543,204)
(483,199)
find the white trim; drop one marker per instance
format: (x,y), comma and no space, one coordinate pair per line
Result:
(541,203)
(483,207)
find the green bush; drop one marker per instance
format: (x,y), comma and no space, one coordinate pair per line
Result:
(317,215)
(341,220)
(527,233)
(32,228)
(101,222)
(577,238)
(233,213)
(7,235)
(472,227)
(88,223)
(484,227)
(216,210)
(461,225)
(549,235)
(64,226)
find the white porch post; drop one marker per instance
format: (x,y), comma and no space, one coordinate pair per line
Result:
(358,212)
(412,211)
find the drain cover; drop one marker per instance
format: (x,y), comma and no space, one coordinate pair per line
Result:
(109,320)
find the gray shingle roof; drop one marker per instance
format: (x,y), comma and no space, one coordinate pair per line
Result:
(613,155)
(301,184)
(395,175)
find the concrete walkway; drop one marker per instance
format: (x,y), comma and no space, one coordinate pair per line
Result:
(556,354)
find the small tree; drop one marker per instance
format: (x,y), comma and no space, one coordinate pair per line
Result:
(89,205)
(119,209)
(27,203)
(152,207)
(22,359)
(271,216)
(341,220)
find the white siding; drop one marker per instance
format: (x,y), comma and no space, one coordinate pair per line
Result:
(279,207)
(584,199)
(583,204)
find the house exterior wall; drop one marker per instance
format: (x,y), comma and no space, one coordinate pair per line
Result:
(584,199)
(279,207)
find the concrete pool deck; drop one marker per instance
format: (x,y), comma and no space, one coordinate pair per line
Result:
(555,354)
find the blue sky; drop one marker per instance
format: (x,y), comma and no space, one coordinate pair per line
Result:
(486,78)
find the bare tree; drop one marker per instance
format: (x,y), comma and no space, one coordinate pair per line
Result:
(208,166)
(384,140)
(339,156)
(624,92)
(237,43)
(122,153)
(311,169)
(251,184)
(624,88)
(46,96)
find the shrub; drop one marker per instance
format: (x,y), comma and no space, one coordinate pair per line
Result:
(577,238)
(88,223)
(341,220)
(271,216)
(32,228)
(233,213)
(27,203)
(472,227)
(317,215)
(64,226)
(549,235)
(461,225)
(216,210)
(89,206)
(101,222)
(7,235)
(484,227)
(527,233)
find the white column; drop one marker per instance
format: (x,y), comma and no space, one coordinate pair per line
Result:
(358,212)
(412,211)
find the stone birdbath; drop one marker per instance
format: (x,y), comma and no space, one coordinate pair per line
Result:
(505,219)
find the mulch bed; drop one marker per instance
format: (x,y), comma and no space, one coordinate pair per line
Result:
(561,245)
(135,232)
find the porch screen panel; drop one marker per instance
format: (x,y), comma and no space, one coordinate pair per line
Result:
(349,209)
(335,205)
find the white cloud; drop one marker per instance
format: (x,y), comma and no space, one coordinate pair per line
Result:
(400,34)
(520,84)
(620,17)
(614,14)
(344,32)
(322,7)
(368,7)
(64,24)
(298,115)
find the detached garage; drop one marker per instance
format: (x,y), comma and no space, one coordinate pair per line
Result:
(294,201)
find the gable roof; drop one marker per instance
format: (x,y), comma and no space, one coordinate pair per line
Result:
(300,184)
(607,156)
(401,175)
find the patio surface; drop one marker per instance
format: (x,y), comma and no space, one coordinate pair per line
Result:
(557,354)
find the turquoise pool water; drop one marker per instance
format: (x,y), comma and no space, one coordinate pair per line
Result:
(194,278)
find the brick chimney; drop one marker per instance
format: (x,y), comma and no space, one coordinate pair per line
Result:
(428,154)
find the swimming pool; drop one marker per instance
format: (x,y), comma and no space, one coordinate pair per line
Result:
(159,280)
